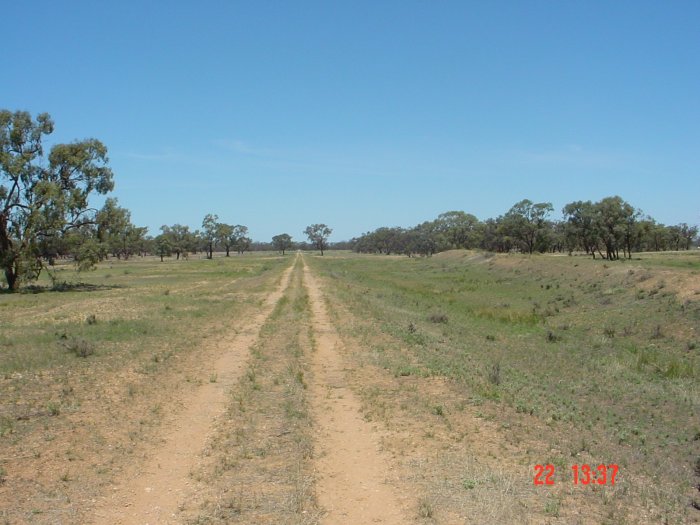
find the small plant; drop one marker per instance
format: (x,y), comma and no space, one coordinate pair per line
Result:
(65,477)
(609,332)
(657,332)
(490,337)
(425,508)
(438,410)
(3,475)
(469,484)
(411,328)
(53,408)
(213,378)
(438,318)
(91,319)
(77,346)
(552,337)
(166,292)
(494,373)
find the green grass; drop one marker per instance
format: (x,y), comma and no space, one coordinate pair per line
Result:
(125,306)
(568,340)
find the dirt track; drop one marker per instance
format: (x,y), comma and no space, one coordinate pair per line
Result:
(350,470)
(164,482)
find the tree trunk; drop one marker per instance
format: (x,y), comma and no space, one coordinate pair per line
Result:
(11,278)
(227,250)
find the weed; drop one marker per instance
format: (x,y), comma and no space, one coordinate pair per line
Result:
(490,337)
(91,319)
(78,346)
(438,318)
(213,377)
(494,373)
(657,332)
(54,409)
(411,328)
(552,337)
(469,484)
(438,410)
(425,508)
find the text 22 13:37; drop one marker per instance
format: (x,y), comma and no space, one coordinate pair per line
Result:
(581,474)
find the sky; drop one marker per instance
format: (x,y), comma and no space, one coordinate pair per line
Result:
(361,114)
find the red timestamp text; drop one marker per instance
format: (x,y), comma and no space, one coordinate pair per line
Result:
(580,474)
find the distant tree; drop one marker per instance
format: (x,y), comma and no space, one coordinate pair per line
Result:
(581,228)
(526,222)
(116,233)
(687,234)
(163,246)
(42,198)
(460,229)
(318,235)
(224,236)
(282,242)
(180,237)
(616,225)
(209,233)
(240,240)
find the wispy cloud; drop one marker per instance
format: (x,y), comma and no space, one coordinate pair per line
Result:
(242,147)
(567,156)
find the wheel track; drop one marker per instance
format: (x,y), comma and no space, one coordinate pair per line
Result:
(164,482)
(351,471)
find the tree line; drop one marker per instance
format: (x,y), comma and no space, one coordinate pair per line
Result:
(610,229)
(45,215)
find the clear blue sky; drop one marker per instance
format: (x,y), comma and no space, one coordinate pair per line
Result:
(362,114)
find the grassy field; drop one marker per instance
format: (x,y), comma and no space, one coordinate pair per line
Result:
(598,362)
(89,374)
(473,368)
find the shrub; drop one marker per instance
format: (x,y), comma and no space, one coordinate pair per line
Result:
(79,346)
(437,318)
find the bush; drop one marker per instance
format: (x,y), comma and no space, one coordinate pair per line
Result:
(437,318)
(79,346)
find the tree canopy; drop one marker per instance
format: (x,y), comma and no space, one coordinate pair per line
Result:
(318,235)
(42,198)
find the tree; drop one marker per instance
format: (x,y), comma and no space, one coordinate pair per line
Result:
(318,235)
(181,239)
(42,198)
(282,242)
(239,239)
(209,233)
(224,236)
(462,230)
(116,233)
(526,222)
(616,225)
(580,227)
(163,246)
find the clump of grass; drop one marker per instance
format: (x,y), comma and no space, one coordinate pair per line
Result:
(494,373)
(552,337)
(91,319)
(54,409)
(490,337)
(657,332)
(412,328)
(438,318)
(438,410)
(78,346)
(3,475)
(425,508)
